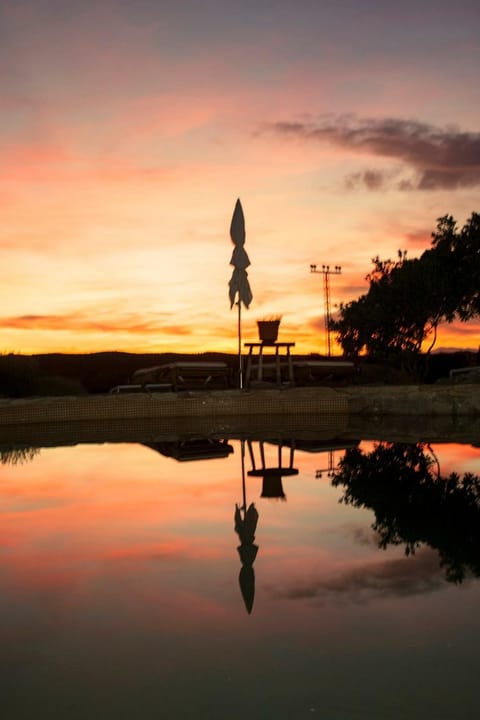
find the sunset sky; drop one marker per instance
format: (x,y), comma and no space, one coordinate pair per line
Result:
(128,128)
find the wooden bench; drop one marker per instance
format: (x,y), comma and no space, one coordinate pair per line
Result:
(137,388)
(466,374)
(189,375)
(323,371)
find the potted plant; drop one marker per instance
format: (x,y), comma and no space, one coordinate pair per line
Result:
(268,329)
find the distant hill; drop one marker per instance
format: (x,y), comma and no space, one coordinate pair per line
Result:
(59,373)
(99,372)
(75,374)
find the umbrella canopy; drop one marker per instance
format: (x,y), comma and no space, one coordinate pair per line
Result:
(239,287)
(239,284)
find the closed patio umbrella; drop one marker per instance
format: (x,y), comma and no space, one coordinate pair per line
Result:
(239,287)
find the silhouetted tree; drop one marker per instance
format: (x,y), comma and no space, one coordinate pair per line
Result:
(459,251)
(413,504)
(408,298)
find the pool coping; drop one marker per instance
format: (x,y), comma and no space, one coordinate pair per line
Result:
(410,413)
(417,400)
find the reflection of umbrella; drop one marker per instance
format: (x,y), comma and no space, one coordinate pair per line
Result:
(239,287)
(245,526)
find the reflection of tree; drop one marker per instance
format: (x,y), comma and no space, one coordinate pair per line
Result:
(413,504)
(17,456)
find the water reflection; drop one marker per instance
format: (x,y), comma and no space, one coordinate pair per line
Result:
(17,455)
(245,526)
(189,449)
(123,583)
(414,504)
(274,469)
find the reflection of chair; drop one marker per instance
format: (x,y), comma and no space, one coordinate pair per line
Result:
(272,487)
(271,474)
(193,449)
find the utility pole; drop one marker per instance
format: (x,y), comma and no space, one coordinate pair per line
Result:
(326,271)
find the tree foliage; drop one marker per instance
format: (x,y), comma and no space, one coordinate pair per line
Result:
(408,298)
(414,505)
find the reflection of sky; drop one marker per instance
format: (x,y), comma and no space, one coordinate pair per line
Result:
(119,591)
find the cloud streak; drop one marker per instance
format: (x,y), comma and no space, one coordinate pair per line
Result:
(402,577)
(135,324)
(437,158)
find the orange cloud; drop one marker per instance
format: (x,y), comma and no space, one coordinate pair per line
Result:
(79,322)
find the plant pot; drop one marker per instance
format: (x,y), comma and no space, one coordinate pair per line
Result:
(268,331)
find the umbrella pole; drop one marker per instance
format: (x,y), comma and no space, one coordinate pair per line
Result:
(240,371)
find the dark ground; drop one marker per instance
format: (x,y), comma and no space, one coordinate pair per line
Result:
(62,374)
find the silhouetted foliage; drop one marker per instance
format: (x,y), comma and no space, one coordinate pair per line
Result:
(99,372)
(18,374)
(23,376)
(58,374)
(408,299)
(71,374)
(413,504)
(18,456)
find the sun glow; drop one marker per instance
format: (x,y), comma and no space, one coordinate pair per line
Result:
(127,135)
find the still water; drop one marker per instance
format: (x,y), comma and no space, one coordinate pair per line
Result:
(137,585)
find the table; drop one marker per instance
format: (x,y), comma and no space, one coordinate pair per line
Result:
(256,351)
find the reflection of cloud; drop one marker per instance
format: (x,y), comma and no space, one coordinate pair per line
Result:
(415,575)
(34,504)
(174,551)
(441,158)
(363,536)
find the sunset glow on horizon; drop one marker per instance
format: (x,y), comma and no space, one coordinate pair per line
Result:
(128,130)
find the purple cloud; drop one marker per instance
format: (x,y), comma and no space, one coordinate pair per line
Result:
(440,158)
